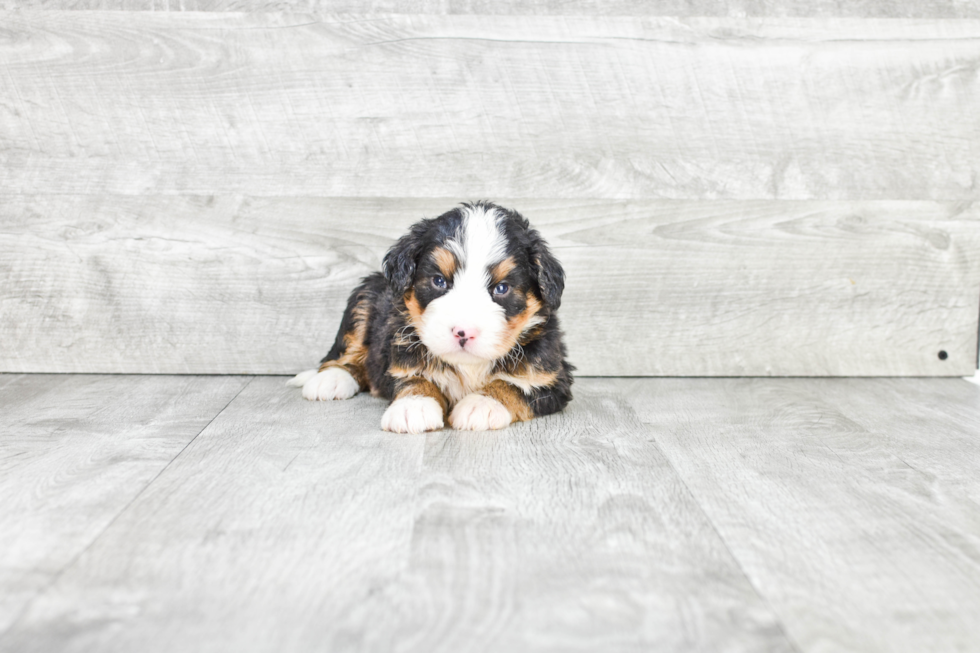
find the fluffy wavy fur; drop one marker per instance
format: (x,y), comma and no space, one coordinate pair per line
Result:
(459,327)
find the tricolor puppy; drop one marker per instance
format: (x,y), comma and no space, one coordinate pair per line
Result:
(461,326)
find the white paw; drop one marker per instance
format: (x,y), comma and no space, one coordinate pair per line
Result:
(331,383)
(300,379)
(478,412)
(413,414)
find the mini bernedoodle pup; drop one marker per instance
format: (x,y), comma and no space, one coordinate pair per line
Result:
(461,325)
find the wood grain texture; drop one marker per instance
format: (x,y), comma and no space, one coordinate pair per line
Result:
(231,284)
(280,517)
(472,105)
(729,8)
(74,452)
(851,504)
(653,514)
(289,525)
(566,533)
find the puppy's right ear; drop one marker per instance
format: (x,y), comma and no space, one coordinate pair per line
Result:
(400,261)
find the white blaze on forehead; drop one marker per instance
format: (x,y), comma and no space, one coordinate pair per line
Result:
(480,243)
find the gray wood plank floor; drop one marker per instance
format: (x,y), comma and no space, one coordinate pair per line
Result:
(74,452)
(157,513)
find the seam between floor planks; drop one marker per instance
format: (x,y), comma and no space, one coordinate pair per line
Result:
(454,485)
(448,473)
(714,527)
(476,485)
(776,576)
(13,378)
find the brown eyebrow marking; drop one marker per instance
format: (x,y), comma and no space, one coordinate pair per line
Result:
(445,261)
(502,269)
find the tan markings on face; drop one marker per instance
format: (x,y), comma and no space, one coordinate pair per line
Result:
(445,261)
(423,388)
(517,325)
(531,333)
(414,309)
(512,399)
(500,271)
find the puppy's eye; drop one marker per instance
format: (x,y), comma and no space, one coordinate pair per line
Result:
(501,288)
(439,281)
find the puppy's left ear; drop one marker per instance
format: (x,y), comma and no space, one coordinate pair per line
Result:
(400,261)
(550,274)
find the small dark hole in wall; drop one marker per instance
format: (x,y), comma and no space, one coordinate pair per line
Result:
(943,355)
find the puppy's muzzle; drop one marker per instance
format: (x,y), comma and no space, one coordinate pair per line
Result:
(465,334)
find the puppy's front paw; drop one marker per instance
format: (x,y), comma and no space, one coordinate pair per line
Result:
(413,414)
(300,379)
(331,383)
(478,412)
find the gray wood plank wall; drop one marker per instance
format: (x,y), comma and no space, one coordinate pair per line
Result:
(462,106)
(727,8)
(196,192)
(232,285)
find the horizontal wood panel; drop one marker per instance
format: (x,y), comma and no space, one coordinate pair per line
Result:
(862,9)
(234,284)
(517,106)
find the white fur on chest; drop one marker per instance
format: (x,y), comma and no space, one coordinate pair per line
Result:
(457,381)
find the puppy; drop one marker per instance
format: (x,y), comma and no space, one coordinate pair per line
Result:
(461,325)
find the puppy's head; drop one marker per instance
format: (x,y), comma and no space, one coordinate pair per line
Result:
(474,280)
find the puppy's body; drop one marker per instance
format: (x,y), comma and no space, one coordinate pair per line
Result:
(460,325)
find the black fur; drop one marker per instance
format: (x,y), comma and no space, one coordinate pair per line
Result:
(391,340)
(532,254)
(399,264)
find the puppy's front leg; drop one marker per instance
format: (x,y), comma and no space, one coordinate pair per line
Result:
(418,406)
(493,407)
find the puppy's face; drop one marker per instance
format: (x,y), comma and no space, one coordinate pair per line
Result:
(476,282)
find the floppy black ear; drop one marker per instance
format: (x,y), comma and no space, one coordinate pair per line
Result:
(400,261)
(550,275)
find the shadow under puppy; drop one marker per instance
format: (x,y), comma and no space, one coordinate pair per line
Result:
(461,325)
